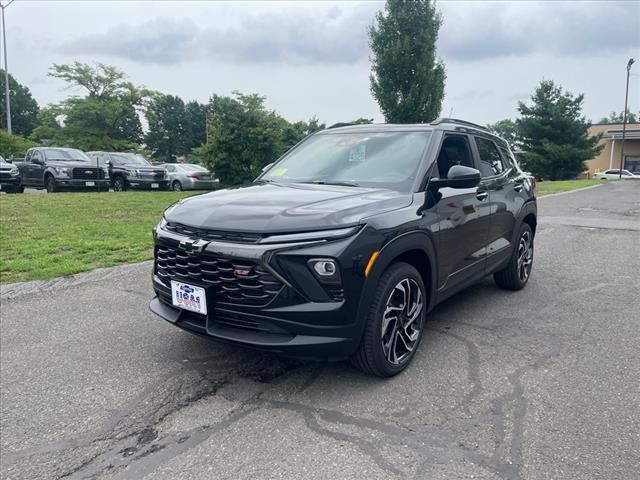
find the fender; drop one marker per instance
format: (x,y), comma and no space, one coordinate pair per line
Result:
(48,170)
(414,240)
(529,207)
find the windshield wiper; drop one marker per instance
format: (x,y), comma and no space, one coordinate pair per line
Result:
(339,184)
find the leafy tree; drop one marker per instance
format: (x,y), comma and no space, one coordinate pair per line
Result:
(244,137)
(49,129)
(14,145)
(407,78)
(362,121)
(175,128)
(555,140)
(619,118)
(507,129)
(108,117)
(24,108)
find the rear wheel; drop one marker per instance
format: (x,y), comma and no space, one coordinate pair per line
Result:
(394,323)
(176,186)
(50,184)
(517,272)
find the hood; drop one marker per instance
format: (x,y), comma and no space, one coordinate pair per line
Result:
(272,208)
(70,164)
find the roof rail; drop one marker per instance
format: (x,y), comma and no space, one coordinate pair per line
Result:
(341,124)
(457,121)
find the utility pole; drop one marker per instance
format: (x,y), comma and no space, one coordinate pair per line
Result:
(7,95)
(624,118)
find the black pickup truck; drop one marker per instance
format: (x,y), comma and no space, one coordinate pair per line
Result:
(131,170)
(10,181)
(58,169)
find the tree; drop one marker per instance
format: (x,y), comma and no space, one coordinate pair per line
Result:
(508,130)
(555,139)
(175,128)
(619,118)
(108,117)
(407,78)
(24,108)
(14,145)
(244,137)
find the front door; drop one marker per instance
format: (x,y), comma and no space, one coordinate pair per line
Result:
(463,220)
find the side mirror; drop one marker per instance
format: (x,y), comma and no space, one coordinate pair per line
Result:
(459,176)
(267,167)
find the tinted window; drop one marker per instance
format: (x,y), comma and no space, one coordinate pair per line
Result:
(65,154)
(388,160)
(490,159)
(454,151)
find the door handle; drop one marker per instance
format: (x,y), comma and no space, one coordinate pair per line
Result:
(482,195)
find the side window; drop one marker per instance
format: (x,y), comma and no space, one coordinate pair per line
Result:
(37,157)
(454,151)
(27,157)
(170,168)
(507,157)
(490,159)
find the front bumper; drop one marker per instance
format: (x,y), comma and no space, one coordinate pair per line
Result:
(145,184)
(102,184)
(297,321)
(10,183)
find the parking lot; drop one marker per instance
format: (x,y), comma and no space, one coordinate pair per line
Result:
(537,384)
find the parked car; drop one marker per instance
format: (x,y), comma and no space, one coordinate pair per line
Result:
(187,176)
(131,170)
(614,174)
(342,246)
(10,178)
(56,168)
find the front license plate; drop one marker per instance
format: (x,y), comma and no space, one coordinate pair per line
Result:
(90,184)
(188,297)
(155,185)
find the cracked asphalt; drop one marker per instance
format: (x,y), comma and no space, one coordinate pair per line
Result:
(538,384)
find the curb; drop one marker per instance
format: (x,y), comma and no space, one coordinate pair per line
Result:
(570,191)
(10,291)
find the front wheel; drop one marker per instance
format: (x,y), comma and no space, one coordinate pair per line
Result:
(517,272)
(394,323)
(118,184)
(176,186)
(51,185)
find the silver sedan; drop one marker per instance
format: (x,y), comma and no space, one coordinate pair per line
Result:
(187,176)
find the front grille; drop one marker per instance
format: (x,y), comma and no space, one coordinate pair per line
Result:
(204,234)
(152,176)
(236,281)
(88,173)
(336,293)
(5,174)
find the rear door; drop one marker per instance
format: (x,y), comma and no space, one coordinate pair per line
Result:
(505,185)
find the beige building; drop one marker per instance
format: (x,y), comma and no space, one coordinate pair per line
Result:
(610,155)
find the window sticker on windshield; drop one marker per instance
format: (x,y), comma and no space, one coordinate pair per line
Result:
(358,153)
(278,172)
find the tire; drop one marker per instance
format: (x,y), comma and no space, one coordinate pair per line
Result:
(176,186)
(119,184)
(518,271)
(383,350)
(50,184)
(20,189)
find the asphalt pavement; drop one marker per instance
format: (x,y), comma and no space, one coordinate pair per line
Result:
(538,384)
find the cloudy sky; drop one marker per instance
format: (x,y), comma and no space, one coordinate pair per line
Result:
(312,58)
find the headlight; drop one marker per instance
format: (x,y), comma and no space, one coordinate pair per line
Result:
(162,223)
(133,172)
(14,172)
(333,234)
(63,171)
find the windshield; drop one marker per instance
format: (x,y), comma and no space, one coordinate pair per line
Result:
(388,160)
(66,154)
(129,159)
(193,168)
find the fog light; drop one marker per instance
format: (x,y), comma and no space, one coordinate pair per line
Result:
(325,268)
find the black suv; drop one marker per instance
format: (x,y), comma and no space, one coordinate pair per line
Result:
(131,170)
(341,247)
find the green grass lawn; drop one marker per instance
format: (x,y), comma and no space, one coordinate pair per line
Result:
(545,188)
(50,235)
